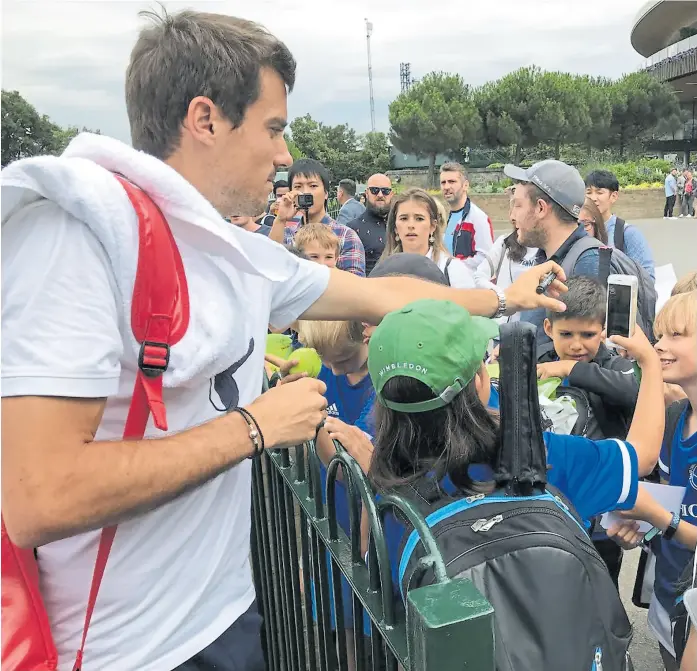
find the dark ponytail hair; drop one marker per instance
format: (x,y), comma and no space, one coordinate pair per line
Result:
(516,251)
(443,441)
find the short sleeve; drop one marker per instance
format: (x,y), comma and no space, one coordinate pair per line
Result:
(291,298)
(596,476)
(60,316)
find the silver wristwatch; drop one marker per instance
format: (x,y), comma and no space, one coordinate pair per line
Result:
(501,311)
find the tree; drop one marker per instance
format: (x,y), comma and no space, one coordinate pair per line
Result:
(436,116)
(639,101)
(506,107)
(24,131)
(530,107)
(340,148)
(293,148)
(375,154)
(27,133)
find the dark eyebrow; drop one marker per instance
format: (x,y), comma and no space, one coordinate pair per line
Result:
(277,122)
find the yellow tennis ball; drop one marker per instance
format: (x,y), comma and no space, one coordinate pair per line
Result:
(279,345)
(308,362)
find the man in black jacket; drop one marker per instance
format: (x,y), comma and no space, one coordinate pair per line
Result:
(371,226)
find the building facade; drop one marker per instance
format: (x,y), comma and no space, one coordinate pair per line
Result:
(665,33)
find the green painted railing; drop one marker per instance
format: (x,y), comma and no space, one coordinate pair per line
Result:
(300,554)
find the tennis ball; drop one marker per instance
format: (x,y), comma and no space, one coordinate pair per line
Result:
(308,362)
(279,345)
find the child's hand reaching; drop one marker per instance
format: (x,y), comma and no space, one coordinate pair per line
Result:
(638,347)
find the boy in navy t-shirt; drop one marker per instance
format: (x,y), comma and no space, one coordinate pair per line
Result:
(676,328)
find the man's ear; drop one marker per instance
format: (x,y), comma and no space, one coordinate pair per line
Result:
(614,196)
(548,328)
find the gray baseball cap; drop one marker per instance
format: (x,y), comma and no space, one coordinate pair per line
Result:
(409,265)
(561,182)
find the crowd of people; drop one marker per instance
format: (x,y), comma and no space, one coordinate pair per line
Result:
(408,384)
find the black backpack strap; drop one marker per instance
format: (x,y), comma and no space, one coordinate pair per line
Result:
(604,264)
(522,461)
(582,245)
(618,241)
(446,272)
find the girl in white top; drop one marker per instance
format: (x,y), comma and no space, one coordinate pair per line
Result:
(505,262)
(416,225)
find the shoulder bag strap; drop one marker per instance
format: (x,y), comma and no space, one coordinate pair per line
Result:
(160,315)
(618,235)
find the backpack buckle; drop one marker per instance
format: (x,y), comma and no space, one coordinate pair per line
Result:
(153,358)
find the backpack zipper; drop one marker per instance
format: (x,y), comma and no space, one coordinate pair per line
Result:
(485,525)
(598,660)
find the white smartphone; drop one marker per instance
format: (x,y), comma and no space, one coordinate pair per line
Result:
(622,292)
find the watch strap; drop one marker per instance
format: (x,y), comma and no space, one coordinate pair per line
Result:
(672,527)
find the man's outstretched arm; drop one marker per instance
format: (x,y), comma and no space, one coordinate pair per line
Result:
(369,300)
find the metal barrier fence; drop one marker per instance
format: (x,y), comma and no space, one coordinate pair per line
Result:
(300,554)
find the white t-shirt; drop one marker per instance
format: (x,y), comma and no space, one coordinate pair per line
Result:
(460,276)
(509,271)
(178,576)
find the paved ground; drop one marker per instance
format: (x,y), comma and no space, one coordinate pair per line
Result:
(644,650)
(671,240)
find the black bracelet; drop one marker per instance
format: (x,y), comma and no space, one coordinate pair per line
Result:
(255,434)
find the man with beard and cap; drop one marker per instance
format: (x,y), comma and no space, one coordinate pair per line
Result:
(371,226)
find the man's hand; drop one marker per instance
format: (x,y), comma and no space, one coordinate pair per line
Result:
(560,369)
(522,294)
(638,347)
(287,208)
(355,442)
(289,414)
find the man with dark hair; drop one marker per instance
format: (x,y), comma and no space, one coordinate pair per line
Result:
(545,207)
(469,234)
(350,207)
(207,103)
(371,226)
(603,188)
(308,176)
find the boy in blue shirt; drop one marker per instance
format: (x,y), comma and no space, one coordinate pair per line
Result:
(676,329)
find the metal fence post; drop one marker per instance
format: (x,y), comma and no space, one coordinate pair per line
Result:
(450,627)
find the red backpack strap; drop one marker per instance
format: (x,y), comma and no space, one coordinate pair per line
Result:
(159,319)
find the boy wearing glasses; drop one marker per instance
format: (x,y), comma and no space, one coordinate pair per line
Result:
(371,225)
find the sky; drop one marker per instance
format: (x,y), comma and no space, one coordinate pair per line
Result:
(68,57)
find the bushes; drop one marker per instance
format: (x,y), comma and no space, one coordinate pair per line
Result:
(644,173)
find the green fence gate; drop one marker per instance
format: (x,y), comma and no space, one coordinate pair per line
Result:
(300,554)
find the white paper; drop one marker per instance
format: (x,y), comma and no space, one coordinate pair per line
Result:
(669,496)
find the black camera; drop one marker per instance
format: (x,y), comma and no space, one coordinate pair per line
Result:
(305,201)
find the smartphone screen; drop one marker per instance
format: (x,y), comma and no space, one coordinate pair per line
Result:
(619,302)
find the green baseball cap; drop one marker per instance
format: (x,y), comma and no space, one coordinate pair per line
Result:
(436,342)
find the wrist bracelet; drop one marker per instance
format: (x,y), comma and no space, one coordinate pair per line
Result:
(255,434)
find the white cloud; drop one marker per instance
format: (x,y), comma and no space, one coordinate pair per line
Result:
(68,58)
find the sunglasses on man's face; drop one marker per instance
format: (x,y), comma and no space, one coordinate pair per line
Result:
(385,190)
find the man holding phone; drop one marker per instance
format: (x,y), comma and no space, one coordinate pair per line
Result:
(306,203)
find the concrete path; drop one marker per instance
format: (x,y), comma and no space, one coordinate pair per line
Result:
(671,240)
